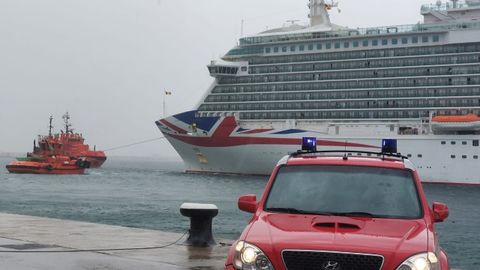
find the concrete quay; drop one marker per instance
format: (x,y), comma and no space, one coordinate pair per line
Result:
(33,243)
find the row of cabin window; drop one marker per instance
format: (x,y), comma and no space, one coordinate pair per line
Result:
(333,115)
(362,64)
(332,56)
(353,84)
(451,156)
(329,105)
(397,93)
(356,74)
(223,70)
(474,143)
(353,44)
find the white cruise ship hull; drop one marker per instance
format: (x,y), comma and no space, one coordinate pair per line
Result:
(220,145)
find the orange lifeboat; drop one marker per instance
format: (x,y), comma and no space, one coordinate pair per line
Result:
(456,118)
(468,122)
(48,165)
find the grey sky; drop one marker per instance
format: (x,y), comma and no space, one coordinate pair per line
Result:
(108,61)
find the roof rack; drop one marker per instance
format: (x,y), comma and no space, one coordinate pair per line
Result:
(345,152)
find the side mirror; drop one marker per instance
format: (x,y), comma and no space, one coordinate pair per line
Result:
(440,211)
(248,203)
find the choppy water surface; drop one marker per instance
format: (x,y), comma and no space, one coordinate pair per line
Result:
(147,194)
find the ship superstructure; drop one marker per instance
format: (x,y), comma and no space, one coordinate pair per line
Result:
(349,87)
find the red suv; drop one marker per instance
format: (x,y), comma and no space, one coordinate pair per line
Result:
(342,210)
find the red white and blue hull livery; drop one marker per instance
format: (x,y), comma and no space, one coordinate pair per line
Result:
(222,145)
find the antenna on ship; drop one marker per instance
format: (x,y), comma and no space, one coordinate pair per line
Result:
(50,126)
(66,119)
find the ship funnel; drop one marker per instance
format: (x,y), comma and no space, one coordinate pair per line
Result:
(319,12)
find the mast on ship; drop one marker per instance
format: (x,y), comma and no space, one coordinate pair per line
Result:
(50,126)
(66,120)
(319,12)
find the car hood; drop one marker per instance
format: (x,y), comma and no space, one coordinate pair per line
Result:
(386,237)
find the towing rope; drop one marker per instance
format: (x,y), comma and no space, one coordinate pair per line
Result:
(133,144)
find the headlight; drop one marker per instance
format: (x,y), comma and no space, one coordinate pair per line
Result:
(250,257)
(423,261)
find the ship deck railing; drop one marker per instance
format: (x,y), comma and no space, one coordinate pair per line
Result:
(371,31)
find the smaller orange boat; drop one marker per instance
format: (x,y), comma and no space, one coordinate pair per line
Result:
(456,123)
(467,118)
(48,165)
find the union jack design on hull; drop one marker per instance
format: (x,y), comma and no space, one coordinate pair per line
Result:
(220,145)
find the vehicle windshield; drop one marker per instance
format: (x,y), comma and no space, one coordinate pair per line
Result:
(345,190)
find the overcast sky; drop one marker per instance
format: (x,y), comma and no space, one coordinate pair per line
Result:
(108,62)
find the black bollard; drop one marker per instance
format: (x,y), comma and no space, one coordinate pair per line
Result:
(201,216)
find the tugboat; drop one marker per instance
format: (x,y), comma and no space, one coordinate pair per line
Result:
(67,143)
(48,165)
(61,153)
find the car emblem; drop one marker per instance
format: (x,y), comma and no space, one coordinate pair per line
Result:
(331,265)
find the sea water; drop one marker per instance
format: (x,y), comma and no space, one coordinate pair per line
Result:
(147,193)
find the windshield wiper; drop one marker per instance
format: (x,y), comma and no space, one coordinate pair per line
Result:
(297,211)
(286,210)
(356,214)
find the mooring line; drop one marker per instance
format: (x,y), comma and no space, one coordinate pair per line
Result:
(95,250)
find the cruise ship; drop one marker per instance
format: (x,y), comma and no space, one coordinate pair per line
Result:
(348,87)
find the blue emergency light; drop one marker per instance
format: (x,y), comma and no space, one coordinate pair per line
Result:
(309,144)
(389,146)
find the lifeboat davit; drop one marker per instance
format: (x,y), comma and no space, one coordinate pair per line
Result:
(468,122)
(48,165)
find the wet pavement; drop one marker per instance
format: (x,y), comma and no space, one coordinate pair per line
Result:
(28,242)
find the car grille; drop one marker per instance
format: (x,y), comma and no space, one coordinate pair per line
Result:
(321,260)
